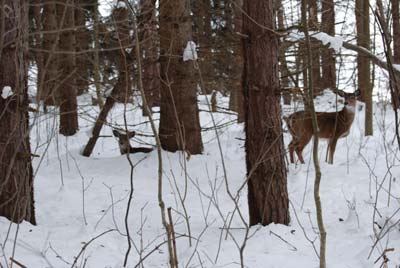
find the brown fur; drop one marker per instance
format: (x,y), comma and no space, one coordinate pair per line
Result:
(125,146)
(331,126)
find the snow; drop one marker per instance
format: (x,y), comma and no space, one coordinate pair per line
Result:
(6,92)
(121,4)
(190,52)
(79,198)
(335,42)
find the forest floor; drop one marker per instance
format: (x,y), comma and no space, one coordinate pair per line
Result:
(81,202)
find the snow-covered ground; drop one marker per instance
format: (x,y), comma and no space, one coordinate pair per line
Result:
(81,202)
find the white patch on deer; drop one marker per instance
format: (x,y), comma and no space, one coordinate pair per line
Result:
(351,109)
(7,92)
(190,52)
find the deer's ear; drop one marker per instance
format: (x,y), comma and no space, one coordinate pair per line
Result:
(131,134)
(116,133)
(357,92)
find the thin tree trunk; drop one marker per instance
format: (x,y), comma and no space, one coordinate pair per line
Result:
(67,82)
(267,179)
(120,17)
(49,75)
(149,45)
(363,62)
(82,43)
(202,10)
(96,64)
(317,199)
(316,54)
(37,28)
(327,54)
(236,82)
(179,118)
(396,37)
(16,178)
(284,70)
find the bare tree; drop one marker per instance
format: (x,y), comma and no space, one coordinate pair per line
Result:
(179,118)
(16,178)
(266,171)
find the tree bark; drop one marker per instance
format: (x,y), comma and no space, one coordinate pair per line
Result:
(363,62)
(48,78)
(396,38)
(327,54)
(179,118)
(149,46)
(67,83)
(235,82)
(82,43)
(121,23)
(203,10)
(316,54)
(16,177)
(266,171)
(282,58)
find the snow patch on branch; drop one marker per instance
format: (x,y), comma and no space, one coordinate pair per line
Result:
(7,92)
(335,42)
(190,52)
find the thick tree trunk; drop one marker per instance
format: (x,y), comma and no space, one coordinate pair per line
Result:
(363,63)
(67,82)
(16,180)
(50,73)
(149,46)
(327,54)
(179,118)
(267,182)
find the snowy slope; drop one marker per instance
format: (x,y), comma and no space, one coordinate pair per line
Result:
(79,198)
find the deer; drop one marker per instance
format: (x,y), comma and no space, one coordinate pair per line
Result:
(124,144)
(331,126)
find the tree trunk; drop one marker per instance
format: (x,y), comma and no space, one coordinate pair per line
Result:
(179,118)
(67,82)
(37,37)
(16,180)
(363,63)
(49,75)
(82,43)
(327,54)
(235,81)
(316,64)
(396,38)
(121,23)
(266,171)
(284,70)
(149,46)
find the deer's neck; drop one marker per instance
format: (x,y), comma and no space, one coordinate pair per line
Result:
(347,114)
